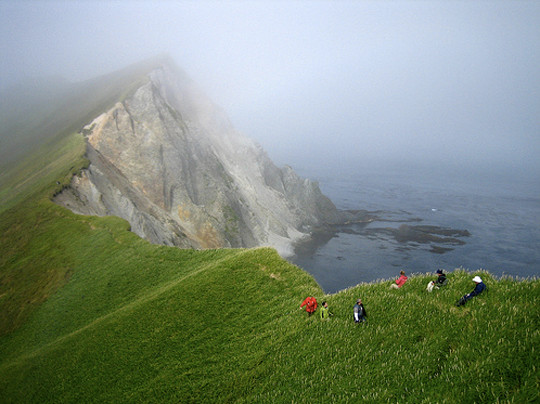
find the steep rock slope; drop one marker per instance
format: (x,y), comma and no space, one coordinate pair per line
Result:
(168,160)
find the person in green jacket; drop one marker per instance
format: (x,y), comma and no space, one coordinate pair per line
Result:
(325,313)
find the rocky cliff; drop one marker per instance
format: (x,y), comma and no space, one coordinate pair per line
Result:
(166,159)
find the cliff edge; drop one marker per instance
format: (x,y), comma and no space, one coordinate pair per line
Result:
(167,160)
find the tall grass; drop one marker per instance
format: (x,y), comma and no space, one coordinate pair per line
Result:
(224,326)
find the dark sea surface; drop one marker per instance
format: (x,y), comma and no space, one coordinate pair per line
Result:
(502,213)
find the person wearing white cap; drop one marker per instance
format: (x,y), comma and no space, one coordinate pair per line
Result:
(479,288)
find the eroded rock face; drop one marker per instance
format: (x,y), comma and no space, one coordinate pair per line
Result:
(168,161)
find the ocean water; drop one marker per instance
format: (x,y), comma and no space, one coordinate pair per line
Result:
(501,211)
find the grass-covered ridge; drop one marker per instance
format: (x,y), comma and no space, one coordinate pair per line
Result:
(27,123)
(89,312)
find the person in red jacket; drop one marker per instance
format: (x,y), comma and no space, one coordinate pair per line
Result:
(399,281)
(311,305)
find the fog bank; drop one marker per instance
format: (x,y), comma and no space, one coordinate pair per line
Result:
(438,82)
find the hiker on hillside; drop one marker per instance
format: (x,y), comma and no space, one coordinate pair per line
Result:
(479,288)
(441,281)
(399,281)
(325,313)
(359,312)
(311,305)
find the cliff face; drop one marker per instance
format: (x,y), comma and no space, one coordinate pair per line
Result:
(168,161)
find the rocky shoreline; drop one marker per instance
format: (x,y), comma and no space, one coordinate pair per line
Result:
(439,239)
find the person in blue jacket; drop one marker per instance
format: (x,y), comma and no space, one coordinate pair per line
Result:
(359,312)
(479,288)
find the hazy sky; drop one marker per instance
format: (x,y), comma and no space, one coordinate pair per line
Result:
(448,81)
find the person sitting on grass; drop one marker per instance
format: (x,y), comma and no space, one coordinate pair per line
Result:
(479,288)
(399,281)
(441,281)
(325,313)
(311,305)
(359,312)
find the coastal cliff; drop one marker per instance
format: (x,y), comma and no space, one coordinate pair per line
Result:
(167,160)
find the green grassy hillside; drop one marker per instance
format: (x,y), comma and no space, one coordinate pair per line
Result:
(92,313)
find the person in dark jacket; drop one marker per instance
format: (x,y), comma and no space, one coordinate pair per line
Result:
(359,312)
(479,288)
(441,281)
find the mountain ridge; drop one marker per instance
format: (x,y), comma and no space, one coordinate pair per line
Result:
(36,111)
